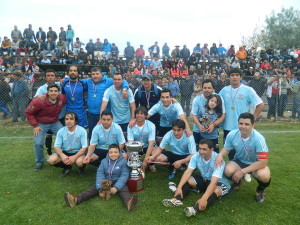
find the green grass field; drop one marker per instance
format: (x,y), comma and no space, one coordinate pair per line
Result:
(29,197)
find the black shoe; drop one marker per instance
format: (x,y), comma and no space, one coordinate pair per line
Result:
(260,196)
(37,168)
(66,171)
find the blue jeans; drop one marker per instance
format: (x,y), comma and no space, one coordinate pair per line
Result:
(92,122)
(282,101)
(3,108)
(19,106)
(296,108)
(70,41)
(39,140)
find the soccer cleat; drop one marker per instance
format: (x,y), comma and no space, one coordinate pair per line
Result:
(247,177)
(172,186)
(66,171)
(172,174)
(71,200)
(132,203)
(189,211)
(173,202)
(37,168)
(152,168)
(260,196)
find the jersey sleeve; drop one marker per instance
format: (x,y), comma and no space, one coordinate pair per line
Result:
(154,109)
(218,171)
(130,96)
(59,139)
(106,95)
(193,161)
(95,134)
(152,131)
(165,141)
(178,109)
(83,139)
(229,141)
(195,106)
(192,144)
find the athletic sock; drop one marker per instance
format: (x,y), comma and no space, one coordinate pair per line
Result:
(262,186)
(210,201)
(48,143)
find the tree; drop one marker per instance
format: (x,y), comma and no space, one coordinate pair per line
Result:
(258,38)
(283,28)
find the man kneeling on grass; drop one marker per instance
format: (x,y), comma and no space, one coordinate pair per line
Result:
(211,181)
(114,168)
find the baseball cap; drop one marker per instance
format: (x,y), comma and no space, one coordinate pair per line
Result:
(147,76)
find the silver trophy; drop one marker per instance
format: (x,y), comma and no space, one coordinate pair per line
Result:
(134,161)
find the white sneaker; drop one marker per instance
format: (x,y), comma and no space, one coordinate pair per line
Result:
(173,202)
(190,211)
(172,186)
(247,177)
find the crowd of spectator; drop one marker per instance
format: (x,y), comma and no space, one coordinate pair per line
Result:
(271,71)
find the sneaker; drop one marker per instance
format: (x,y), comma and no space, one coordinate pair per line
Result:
(172,186)
(37,168)
(172,202)
(132,203)
(260,197)
(71,200)
(235,187)
(247,177)
(152,168)
(65,171)
(189,211)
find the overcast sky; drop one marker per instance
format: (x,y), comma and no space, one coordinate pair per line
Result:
(144,22)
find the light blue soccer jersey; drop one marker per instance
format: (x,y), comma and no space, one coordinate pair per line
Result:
(103,138)
(143,134)
(208,169)
(198,108)
(183,146)
(120,107)
(167,115)
(246,150)
(212,118)
(71,142)
(237,101)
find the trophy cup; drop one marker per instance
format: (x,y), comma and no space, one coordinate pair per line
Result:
(135,182)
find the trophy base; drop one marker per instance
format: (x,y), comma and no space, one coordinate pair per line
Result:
(135,185)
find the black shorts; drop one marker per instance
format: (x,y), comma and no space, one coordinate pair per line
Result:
(173,157)
(143,151)
(100,153)
(124,126)
(69,154)
(163,130)
(202,185)
(198,137)
(240,163)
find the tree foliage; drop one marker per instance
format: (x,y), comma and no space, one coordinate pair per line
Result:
(283,28)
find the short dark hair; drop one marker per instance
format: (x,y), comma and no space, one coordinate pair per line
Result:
(235,70)
(73,115)
(96,69)
(208,81)
(114,146)
(165,90)
(50,71)
(247,115)
(207,142)
(118,74)
(178,123)
(53,86)
(141,109)
(78,68)
(107,113)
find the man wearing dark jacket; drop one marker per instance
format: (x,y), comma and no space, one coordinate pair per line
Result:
(186,88)
(41,34)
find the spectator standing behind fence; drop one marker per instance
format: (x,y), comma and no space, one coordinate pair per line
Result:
(258,84)
(62,34)
(28,34)
(295,89)
(15,33)
(4,98)
(186,88)
(20,92)
(129,52)
(40,34)
(77,46)
(90,47)
(166,51)
(70,36)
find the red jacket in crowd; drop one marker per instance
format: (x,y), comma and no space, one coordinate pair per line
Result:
(41,110)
